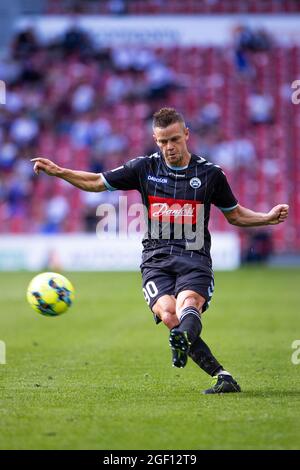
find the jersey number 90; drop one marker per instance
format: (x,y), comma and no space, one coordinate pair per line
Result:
(150,291)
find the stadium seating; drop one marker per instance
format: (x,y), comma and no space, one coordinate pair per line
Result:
(144,7)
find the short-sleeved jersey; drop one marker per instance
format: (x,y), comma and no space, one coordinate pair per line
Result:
(177,202)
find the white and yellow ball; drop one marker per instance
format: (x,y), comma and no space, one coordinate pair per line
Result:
(50,294)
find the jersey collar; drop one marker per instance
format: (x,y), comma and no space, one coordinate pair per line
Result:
(192,162)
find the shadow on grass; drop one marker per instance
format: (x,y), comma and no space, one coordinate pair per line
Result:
(270,393)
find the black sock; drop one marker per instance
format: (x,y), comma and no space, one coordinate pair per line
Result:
(202,355)
(191,323)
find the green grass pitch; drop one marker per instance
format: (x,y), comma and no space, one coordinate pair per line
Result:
(100,376)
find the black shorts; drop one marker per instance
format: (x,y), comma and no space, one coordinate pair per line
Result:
(165,274)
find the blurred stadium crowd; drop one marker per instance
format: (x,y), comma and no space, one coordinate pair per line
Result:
(136,7)
(90,108)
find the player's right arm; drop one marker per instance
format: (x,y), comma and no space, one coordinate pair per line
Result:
(81,179)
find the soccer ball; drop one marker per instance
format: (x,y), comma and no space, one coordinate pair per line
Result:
(50,294)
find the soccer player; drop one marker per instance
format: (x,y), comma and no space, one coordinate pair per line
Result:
(177,188)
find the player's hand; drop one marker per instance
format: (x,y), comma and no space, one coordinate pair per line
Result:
(43,164)
(278,214)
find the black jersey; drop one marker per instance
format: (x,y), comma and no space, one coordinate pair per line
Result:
(177,202)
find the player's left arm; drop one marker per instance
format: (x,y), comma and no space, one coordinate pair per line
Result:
(243,217)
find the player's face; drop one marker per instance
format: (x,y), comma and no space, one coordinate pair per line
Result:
(172,143)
